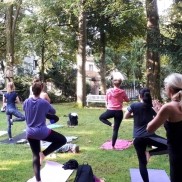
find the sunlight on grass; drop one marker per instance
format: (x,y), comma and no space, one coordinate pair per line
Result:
(16,160)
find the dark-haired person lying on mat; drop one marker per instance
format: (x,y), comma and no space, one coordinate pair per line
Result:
(143,113)
(35,113)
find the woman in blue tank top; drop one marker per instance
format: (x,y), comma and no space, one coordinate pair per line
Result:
(170,115)
(11,98)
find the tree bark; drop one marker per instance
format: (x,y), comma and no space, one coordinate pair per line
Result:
(9,45)
(153,59)
(11,20)
(102,63)
(81,58)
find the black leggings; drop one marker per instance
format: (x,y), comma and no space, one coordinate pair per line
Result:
(52,117)
(118,116)
(141,144)
(57,140)
(175,161)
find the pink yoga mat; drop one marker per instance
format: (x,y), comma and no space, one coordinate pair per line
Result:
(120,144)
(53,172)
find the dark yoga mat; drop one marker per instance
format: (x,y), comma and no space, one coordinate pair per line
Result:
(155,175)
(15,138)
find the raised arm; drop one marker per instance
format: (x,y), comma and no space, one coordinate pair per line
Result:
(159,119)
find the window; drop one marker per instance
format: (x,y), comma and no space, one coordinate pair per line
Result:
(90,67)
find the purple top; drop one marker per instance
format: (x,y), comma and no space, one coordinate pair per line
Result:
(35,115)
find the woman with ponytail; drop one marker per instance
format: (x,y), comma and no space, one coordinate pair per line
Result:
(143,112)
(170,115)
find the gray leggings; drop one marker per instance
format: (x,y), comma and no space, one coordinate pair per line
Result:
(13,112)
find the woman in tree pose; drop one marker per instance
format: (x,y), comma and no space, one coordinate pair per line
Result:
(11,98)
(35,113)
(115,98)
(143,113)
(170,115)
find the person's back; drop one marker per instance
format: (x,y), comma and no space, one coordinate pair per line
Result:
(142,117)
(115,98)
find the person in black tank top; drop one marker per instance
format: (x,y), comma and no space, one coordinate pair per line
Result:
(143,113)
(170,115)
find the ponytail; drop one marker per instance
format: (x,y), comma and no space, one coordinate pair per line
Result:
(147,99)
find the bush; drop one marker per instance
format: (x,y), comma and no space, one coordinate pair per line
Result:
(58,99)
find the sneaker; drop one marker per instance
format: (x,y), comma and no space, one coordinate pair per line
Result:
(11,121)
(75,148)
(10,139)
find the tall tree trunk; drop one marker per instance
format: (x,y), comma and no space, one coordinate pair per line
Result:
(11,20)
(42,62)
(81,58)
(102,62)
(8,74)
(153,59)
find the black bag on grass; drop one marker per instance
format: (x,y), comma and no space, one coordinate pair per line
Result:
(84,174)
(73,117)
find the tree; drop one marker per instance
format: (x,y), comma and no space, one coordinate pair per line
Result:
(12,13)
(81,57)
(113,23)
(153,59)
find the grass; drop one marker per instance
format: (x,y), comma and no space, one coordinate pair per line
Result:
(16,160)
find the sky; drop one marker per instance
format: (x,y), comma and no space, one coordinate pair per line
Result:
(163,5)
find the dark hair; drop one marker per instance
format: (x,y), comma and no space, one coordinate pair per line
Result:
(117,82)
(37,88)
(147,99)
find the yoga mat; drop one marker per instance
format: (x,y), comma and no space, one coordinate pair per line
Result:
(155,175)
(54,172)
(3,133)
(15,138)
(51,126)
(120,144)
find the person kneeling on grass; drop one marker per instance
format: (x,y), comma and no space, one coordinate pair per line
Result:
(35,114)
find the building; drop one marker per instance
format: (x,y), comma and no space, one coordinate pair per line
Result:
(92,75)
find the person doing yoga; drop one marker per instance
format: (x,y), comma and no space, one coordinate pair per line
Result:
(11,98)
(115,98)
(35,114)
(52,117)
(143,113)
(170,115)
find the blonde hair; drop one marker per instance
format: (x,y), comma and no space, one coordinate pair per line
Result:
(174,81)
(10,87)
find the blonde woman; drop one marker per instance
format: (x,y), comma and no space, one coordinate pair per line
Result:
(115,98)
(170,114)
(11,98)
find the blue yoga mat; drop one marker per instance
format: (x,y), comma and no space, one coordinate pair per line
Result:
(51,126)
(155,175)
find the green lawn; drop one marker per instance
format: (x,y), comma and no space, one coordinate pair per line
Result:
(16,160)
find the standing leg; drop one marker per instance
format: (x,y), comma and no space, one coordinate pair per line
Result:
(117,122)
(8,117)
(140,147)
(35,147)
(19,116)
(105,116)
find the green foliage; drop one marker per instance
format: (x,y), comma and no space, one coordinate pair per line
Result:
(63,75)
(22,85)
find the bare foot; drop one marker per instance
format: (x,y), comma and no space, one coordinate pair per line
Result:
(113,148)
(42,156)
(147,156)
(112,126)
